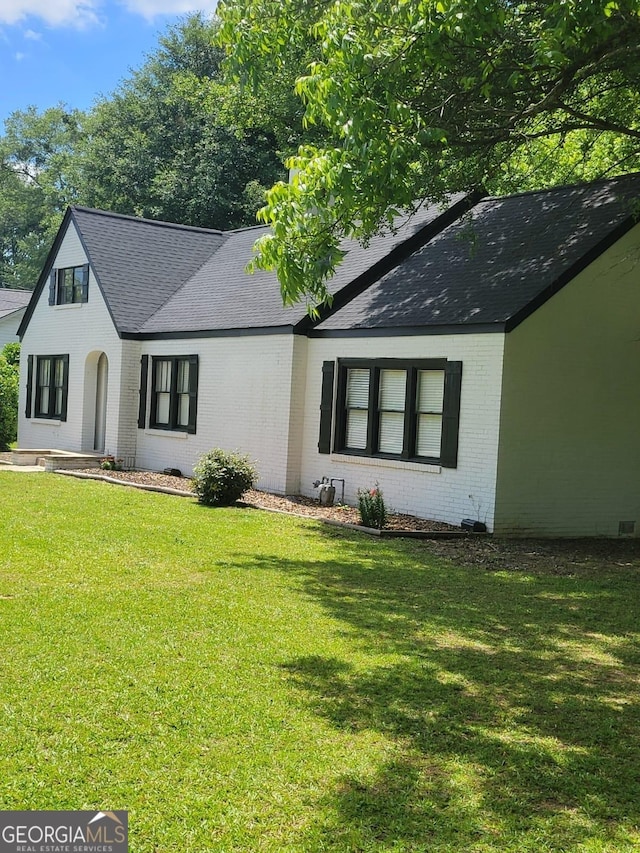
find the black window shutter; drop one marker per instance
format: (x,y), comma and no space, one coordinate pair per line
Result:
(65,386)
(451,414)
(326,407)
(142,403)
(193,393)
(52,287)
(85,283)
(29,403)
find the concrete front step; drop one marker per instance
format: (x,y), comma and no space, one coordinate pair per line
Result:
(53,460)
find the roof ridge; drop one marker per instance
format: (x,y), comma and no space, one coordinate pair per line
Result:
(243,228)
(161,223)
(585,185)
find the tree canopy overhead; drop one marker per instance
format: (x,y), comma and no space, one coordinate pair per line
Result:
(421,98)
(37,182)
(178,142)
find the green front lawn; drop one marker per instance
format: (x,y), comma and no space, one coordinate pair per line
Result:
(243,681)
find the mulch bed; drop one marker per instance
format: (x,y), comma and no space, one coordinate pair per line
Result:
(540,556)
(294,504)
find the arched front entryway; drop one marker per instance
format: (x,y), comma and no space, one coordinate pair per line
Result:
(102,382)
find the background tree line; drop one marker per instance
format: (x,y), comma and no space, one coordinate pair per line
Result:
(376,103)
(177,141)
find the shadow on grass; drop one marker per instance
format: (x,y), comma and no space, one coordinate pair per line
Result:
(508,704)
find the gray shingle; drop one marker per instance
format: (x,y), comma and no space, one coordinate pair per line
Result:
(222,295)
(141,263)
(495,264)
(486,268)
(158,277)
(12,300)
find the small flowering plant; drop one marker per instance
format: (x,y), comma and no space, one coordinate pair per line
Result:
(373,512)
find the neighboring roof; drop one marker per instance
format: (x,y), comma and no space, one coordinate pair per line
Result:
(499,263)
(12,301)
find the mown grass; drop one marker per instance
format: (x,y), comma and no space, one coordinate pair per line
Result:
(242,681)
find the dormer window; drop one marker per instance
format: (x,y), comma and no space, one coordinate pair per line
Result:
(69,285)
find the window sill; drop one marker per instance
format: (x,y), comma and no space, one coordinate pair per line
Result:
(167,433)
(68,305)
(46,421)
(381,462)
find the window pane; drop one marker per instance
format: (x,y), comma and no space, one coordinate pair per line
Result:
(163,376)
(357,388)
(45,371)
(162,390)
(391,432)
(58,402)
(77,283)
(65,286)
(58,381)
(44,375)
(393,386)
(429,435)
(183,377)
(357,420)
(183,410)
(430,390)
(162,408)
(58,372)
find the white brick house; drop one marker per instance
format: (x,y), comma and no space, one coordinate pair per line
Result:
(480,362)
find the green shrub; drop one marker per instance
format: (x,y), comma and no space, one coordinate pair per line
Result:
(9,384)
(222,477)
(12,353)
(373,512)
(109,463)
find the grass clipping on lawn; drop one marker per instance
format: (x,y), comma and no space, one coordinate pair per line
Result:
(245,681)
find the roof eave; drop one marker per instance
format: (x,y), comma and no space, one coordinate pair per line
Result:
(407,331)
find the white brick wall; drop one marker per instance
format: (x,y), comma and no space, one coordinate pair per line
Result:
(425,490)
(569,449)
(82,331)
(244,403)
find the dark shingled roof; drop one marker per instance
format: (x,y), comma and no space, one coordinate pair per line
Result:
(499,263)
(439,269)
(141,263)
(12,300)
(222,295)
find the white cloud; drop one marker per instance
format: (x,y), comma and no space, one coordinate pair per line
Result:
(32,35)
(151,8)
(76,13)
(20,56)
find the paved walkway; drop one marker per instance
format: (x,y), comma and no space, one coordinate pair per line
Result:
(5,465)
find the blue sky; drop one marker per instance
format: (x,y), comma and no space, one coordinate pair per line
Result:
(73,51)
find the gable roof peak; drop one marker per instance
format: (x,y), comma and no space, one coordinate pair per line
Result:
(141,220)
